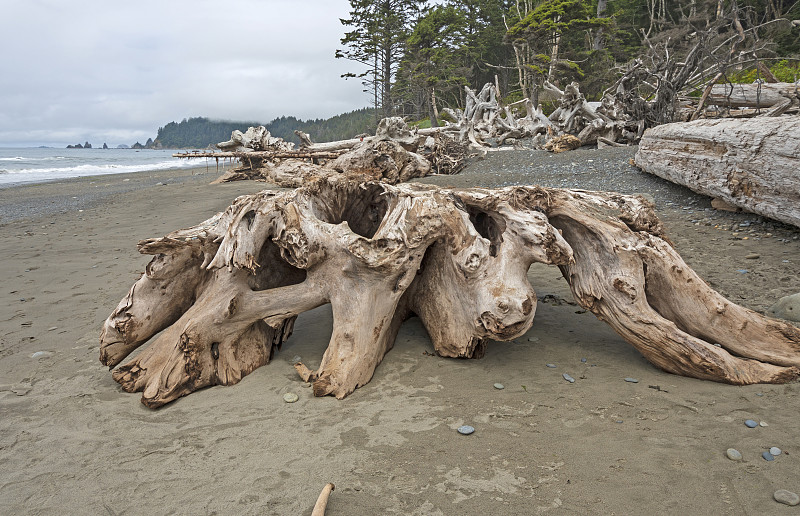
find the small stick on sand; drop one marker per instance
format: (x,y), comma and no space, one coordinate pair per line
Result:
(322,501)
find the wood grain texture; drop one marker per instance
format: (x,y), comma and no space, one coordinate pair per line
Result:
(752,163)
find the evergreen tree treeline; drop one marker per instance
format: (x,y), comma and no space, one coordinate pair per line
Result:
(418,54)
(201,132)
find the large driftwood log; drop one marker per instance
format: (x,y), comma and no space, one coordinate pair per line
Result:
(755,95)
(750,163)
(224,294)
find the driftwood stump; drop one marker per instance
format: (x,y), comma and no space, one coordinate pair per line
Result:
(226,292)
(750,163)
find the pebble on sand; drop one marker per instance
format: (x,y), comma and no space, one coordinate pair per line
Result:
(750,423)
(41,354)
(786,308)
(499,386)
(551,366)
(290,397)
(775,451)
(465,429)
(568,378)
(786,497)
(631,380)
(768,456)
(733,454)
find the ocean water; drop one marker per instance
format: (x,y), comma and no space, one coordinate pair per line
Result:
(38,165)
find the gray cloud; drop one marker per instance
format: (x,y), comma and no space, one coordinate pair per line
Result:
(114,72)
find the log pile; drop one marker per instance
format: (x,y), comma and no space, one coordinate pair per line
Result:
(219,299)
(750,163)
(484,119)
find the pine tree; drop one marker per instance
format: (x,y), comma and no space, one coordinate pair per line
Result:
(377,41)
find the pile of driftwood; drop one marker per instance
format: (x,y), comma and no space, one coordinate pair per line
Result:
(220,298)
(484,119)
(395,154)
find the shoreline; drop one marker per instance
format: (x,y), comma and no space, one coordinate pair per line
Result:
(72,438)
(61,195)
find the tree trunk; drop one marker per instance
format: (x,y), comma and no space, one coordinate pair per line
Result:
(751,163)
(434,110)
(762,95)
(224,294)
(598,42)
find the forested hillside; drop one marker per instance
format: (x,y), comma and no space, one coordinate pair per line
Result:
(420,54)
(200,132)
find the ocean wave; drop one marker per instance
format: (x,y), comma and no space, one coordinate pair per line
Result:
(26,175)
(23,158)
(107,168)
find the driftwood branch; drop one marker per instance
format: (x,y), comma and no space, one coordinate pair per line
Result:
(322,501)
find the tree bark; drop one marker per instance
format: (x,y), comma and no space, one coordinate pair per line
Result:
(598,42)
(749,163)
(224,295)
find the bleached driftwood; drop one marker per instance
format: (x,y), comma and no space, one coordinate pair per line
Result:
(322,500)
(484,118)
(750,163)
(754,95)
(389,156)
(255,139)
(223,296)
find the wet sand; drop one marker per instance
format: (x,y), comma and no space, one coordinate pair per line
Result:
(73,442)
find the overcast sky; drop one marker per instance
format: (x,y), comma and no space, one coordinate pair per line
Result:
(115,72)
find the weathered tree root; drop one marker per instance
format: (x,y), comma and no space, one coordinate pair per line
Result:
(226,292)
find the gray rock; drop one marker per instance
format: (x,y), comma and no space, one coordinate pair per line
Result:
(750,423)
(41,354)
(465,429)
(631,380)
(786,308)
(733,454)
(768,456)
(499,386)
(551,366)
(568,378)
(786,497)
(290,397)
(775,451)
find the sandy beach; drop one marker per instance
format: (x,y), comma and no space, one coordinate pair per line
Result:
(72,442)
